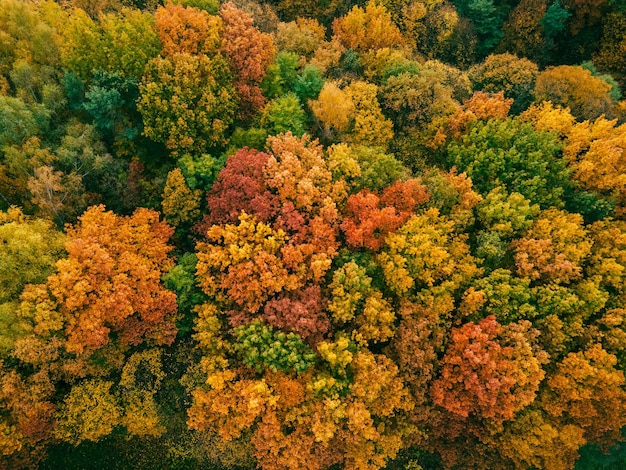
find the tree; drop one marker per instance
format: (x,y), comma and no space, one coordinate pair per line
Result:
(594,152)
(487,21)
(586,96)
(524,31)
(512,154)
(612,50)
(120,42)
(89,412)
(333,109)
(118,263)
(302,36)
(30,45)
(414,100)
(20,120)
(187,102)
(180,204)
(587,391)
(249,53)
(370,127)
(188,30)
(29,249)
(424,253)
(369,28)
(427,25)
(370,217)
(489,371)
(507,73)
(240,186)
(284,114)
(553,248)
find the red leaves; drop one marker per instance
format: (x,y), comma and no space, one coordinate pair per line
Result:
(301,311)
(240,187)
(370,217)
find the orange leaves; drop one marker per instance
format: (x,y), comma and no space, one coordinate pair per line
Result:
(249,53)
(370,217)
(489,371)
(187,30)
(111,280)
(244,262)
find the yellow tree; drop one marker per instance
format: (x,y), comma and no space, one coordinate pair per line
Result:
(369,28)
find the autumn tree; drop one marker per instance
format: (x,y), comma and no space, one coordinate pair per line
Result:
(506,73)
(599,410)
(117,262)
(123,42)
(483,365)
(187,30)
(180,204)
(586,96)
(369,28)
(249,52)
(610,56)
(187,102)
(302,36)
(30,248)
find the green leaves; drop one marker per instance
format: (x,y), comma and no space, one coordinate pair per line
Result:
(512,154)
(260,347)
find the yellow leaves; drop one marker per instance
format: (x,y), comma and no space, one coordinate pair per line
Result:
(141,417)
(244,261)
(353,298)
(547,117)
(370,127)
(596,152)
(10,439)
(574,87)
(180,203)
(369,28)
(337,353)
(89,412)
(38,307)
(342,163)
(587,390)
(333,108)
(349,287)
(553,248)
(424,253)
(353,114)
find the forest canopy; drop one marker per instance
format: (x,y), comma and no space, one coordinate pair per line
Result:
(282,234)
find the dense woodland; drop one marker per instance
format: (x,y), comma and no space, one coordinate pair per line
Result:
(312,235)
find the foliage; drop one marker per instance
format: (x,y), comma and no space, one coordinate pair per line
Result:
(187,102)
(437,282)
(586,96)
(512,154)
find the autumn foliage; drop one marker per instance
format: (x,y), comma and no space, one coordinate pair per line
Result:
(285,235)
